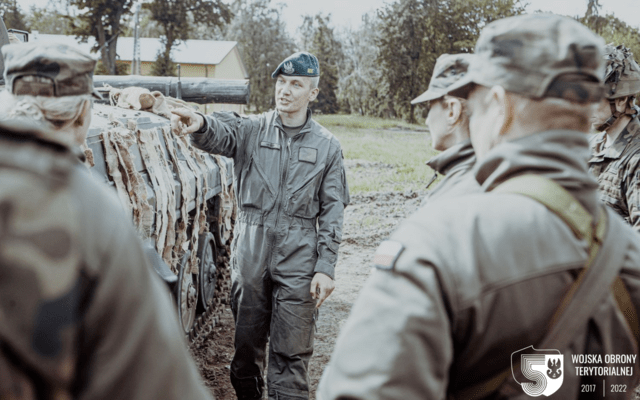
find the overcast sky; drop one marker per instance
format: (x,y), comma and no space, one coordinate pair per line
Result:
(349,12)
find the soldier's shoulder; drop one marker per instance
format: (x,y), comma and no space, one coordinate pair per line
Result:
(325,134)
(474,240)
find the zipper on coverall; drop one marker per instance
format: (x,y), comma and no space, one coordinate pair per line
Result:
(283,186)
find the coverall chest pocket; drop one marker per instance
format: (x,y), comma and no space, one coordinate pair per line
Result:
(255,191)
(304,201)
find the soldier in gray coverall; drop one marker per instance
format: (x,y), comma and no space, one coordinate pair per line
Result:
(292,192)
(448,123)
(464,288)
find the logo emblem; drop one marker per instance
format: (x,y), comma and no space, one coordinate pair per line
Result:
(538,372)
(288,68)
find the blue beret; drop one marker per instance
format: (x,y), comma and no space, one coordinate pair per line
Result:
(298,64)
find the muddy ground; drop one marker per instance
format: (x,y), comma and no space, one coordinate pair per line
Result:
(369,219)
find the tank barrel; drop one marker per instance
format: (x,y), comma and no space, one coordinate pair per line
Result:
(194,90)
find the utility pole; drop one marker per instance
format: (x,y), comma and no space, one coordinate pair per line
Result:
(136,68)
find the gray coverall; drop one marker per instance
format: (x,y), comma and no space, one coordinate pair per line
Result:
(291,198)
(479,278)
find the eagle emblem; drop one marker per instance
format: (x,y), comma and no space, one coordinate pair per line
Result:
(288,68)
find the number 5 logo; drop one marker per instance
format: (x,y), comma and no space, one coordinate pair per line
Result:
(538,372)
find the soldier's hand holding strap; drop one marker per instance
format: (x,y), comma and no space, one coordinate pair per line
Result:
(192,121)
(321,287)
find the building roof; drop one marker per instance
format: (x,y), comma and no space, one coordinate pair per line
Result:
(207,52)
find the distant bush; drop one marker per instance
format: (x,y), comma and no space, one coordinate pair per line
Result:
(355,121)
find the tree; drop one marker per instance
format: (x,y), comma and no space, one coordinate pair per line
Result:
(413,33)
(101,19)
(12,15)
(360,84)
(328,49)
(263,43)
(47,20)
(611,28)
(178,19)
(147,28)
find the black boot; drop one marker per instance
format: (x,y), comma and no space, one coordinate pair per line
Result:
(248,388)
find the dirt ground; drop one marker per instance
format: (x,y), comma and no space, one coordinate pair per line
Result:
(369,219)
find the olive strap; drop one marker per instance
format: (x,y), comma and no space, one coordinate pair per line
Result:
(587,287)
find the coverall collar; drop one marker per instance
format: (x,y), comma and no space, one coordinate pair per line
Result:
(560,155)
(306,128)
(615,150)
(459,154)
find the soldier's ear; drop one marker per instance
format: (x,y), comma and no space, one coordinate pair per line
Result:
(454,110)
(314,94)
(502,107)
(621,103)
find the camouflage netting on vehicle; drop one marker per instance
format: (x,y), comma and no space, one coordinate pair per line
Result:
(169,231)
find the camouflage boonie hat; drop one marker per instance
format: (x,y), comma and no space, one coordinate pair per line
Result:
(45,69)
(538,55)
(298,64)
(449,69)
(622,77)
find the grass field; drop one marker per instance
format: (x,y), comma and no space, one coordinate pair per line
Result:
(367,140)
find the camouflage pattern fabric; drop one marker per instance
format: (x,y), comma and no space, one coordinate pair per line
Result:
(622,77)
(82,314)
(526,54)
(617,172)
(466,282)
(449,69)
(48,70)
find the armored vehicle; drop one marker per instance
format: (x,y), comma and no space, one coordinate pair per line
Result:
(180,199)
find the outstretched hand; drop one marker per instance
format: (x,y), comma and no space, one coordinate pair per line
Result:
(321,287)
(192,121)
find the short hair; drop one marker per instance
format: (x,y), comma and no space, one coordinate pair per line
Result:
(548,113)
(315,80)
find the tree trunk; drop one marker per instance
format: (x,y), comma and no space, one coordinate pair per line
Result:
(412,118)
(112,47)
(103,49)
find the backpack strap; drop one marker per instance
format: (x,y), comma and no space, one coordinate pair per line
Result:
(586,291)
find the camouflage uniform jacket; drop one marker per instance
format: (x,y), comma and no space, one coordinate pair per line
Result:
(617,172)
(455,163)
(82,314)
(479,278)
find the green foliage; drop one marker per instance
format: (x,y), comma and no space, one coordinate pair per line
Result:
(12,15)
(611,28)
(413,33)
(101,19)
(48,20)
(121,69)
(263,43)
(361,86)
(147,27)
(178,19)
(163,66)
(325,46)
